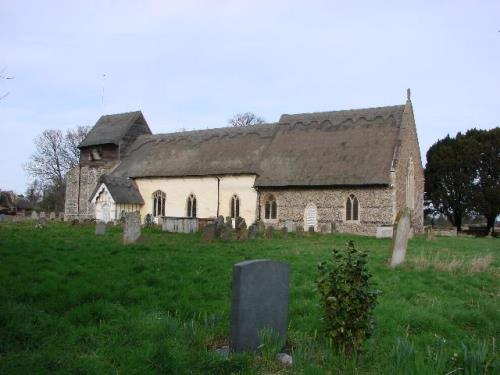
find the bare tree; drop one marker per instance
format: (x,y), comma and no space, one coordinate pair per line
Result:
(3,76)
(55,154)
(245,119)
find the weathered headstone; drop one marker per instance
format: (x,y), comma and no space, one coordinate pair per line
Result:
(219,225)
(310,230)
(284,233)
(269,232)
(385,232)
(52,215)
(239,221)
(132,228)
(75,222)
(42,214)
(259,302)
(242,232)
(429,234)
(402,228)
(42,222)
(34,215)
(227,232)
(208,233)
(3,218)
(261,227)
(100,228)
(299,231)
(325,228)
(252,232)
(289,225)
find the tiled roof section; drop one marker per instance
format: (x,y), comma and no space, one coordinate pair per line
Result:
(353,147)
(111,129)
(123,190)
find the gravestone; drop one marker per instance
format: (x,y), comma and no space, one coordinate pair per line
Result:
(132,228)
(239,221)
(325,228)
(384,232)
(227,232)
(100,228)
(242,232)
(284,233)
(259,302)
(52,215)
(3,218)
(42,214)
(219,224)
(402,228)
(34,215)
(310,230)
(75,222)
(252,232)
(429,234)
(289,225)
(208,233)
(299,231)
(42,222)
(261,227)
(269,232)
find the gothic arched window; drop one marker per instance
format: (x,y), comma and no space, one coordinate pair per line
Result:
(235,206)
(159,198)
(191,206)
(351,208)
(270,208)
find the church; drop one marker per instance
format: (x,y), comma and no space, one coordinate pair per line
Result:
(352,170)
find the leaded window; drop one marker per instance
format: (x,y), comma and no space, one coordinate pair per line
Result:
(159,199)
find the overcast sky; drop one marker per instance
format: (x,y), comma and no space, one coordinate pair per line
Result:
(193,65)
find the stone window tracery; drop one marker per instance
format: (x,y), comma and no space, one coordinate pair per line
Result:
(191,206)
(352,208)
(235,206)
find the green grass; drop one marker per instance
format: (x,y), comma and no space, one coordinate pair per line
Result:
(71,302)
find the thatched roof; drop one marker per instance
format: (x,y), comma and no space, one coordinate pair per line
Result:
(111,129)
(123,190)
(353,147)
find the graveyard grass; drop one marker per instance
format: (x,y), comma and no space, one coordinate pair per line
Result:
(73,302)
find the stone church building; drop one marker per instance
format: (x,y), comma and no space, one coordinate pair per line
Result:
(352,169)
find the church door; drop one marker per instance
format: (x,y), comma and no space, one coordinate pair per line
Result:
(310,217)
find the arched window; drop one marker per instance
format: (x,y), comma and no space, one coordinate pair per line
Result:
(410,185)
(270,208)
(159,198)
(191,206)
(351,208)
(235,206)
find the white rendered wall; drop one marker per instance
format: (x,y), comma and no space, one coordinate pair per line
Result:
(177,190)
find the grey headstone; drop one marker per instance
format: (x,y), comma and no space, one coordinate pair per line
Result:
(384,232)
(310,230)
(289,225)
(3,218)
(42,214)
(227,232)
(208,233)
(259,302)
(402,228)
(52,216)
(252,232)
(42,221)
(284,233)
(34,215)
(269,232)
(325,228)
(100,228)
(242,232)
(219,224)
(132,228)
(299,231)
(261,227)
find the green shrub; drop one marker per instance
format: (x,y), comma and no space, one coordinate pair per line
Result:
(346,298)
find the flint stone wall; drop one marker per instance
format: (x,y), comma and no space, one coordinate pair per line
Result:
(375,207)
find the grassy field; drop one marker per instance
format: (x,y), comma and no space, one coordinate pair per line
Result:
(71,302)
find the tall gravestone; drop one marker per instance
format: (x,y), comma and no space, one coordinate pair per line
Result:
(269,232)
(289,225)
(400,237)
(208,233)
(284,233)
(132,227)
(299,231)
(261,227)
(259,302)
(100,228)
(252,232)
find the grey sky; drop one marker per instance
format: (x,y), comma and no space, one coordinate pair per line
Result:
(193,65)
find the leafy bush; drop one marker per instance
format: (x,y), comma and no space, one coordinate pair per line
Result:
(346,298)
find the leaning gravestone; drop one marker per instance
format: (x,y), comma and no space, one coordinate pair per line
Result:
(400,237)
(100,228)
(259,302)
(284,233)
(208,233)
(298,232)
(132,228)
(269,232)
(289,225)
(252,232)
